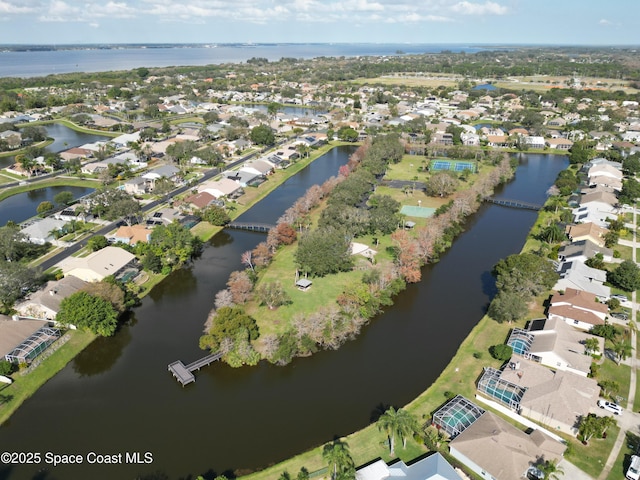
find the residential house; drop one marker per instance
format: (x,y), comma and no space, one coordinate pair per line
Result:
(130,235)
(556,344)
(587,231)
(244,177)
(558,143)
(578,308)
(583,250)
(21,341)
(577,275)
(99,265)
(555,398)
(596,208)
(535,142)
(258,167)
(221,188)
(169,172)
(40,231)
(433,467)
(77,152)
(45,303)
(604,169)
(200,200)
(498,141)
(12,138)
(496,450)
(136,186)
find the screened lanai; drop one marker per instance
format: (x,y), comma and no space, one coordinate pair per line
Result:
(33,346)
(505,392)
(456,415)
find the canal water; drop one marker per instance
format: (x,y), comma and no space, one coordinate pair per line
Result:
(117,396)
(64,138)
(22,206)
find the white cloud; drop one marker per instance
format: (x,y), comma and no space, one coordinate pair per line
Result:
(487,8)
(605,22)
(8,8)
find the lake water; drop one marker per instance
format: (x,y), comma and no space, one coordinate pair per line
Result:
(40,63)
(22,206)
(117,396)
(64,139)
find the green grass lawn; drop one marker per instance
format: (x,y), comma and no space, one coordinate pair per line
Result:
(591,458)
(629,447)
(25,386)
(204,230)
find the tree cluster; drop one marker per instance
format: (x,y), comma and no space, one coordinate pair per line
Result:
(520,277)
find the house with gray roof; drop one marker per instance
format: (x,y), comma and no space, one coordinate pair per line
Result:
(21,340)
(577,275)
(39,231)
(45,303)
(433,467)
(583,250)
(244,177)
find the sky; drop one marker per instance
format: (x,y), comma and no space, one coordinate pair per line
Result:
(565,22)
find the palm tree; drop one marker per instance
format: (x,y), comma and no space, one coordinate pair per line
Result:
(551,470)
(399,422)
(622,350)
(591,345)
(605,423)
(337,455)
(407,425)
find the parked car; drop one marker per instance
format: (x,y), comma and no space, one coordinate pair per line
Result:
(618,296)
(610,406)
(620,316)
(633,472)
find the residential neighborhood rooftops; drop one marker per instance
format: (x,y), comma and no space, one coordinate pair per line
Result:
(13,333)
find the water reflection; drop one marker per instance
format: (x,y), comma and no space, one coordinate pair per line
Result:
(104,352)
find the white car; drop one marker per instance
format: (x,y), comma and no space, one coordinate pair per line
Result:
(610,406)
(633,472)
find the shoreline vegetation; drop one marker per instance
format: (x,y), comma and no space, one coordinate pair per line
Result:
(262,316)
(460,375)
(25,386)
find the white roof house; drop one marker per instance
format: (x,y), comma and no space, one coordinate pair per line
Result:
(39,232)
(220,188)
(98,265)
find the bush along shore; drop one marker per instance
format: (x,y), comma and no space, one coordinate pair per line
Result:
(264,312)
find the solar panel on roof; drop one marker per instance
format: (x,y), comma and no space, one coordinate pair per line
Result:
(157,215)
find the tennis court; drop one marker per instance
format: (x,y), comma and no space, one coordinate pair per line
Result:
(415,211)
(455,165)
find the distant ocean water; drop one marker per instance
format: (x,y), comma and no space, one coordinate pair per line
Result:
(41,63)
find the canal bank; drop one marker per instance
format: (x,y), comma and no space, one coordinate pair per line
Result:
(241,419)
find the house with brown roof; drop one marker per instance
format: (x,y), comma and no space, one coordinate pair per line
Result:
(558,143)
(587,231)
(494,449)
(130,235)
(200,200)
(76,152)
(21,340)
(578,308)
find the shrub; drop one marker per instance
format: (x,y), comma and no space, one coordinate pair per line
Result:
(501,352)
(6,368)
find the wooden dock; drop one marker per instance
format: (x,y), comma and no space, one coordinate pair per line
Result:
(184,373)
(513,203)
(252,226)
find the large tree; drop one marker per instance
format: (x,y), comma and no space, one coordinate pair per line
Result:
(15,279)
(527,274)
(508,306)
(324,251)
(442,184)
(396,422)
(626,276)
(173,244)
(262,135)
(89,312)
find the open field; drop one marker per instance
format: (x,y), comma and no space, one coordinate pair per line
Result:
(537,83)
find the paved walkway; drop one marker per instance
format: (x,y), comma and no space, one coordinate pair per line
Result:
(621,438)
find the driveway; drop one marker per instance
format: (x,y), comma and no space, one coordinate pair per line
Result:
(572,472)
